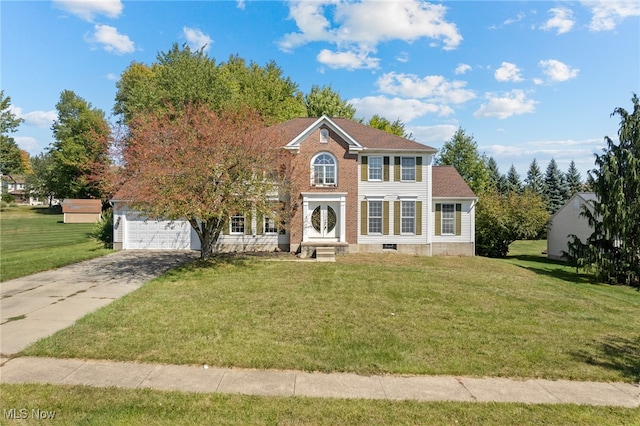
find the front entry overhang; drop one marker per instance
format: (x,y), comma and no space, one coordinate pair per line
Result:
(339,199)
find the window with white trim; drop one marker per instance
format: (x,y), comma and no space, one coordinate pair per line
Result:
(408,217)
(375,217)
(375,168)
(270,226)
(324,170)
(237,224)
(448,219)
(408,168)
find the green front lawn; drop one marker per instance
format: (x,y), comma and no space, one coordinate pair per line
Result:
(34,239)
(85,405)
(372,314)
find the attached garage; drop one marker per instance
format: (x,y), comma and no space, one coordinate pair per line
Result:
(135,232)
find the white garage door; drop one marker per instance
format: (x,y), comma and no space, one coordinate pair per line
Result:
(157,235)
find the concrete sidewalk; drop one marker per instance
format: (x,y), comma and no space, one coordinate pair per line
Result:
(298,383)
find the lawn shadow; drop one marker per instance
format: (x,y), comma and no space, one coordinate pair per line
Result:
(552,268)
(53,210)
(614,353)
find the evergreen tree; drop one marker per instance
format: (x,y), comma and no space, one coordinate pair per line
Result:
(613,250)
(497,181)
(514,184)
(556,187)
(574,180)
(535,180)
(461,151)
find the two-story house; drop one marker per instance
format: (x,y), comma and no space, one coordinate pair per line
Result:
(365,191)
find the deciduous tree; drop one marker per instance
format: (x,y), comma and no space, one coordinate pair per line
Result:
(82,137)
(10,155)
(326,101)
(203,166)
(395,128)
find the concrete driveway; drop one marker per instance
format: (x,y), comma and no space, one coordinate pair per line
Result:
(38,305)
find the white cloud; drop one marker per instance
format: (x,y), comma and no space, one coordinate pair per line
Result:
(511,103)
(197,39)
(607,14)
(347,60)
(396,108)
(112,77)
(462,69)
(433,135)
(29,144)
(111,40)
(359,26)
(558,71)
(518,18)
(42,119)
(88,9)
(402,57)
(562,20)
(435,88)
(508,72)
(240,4)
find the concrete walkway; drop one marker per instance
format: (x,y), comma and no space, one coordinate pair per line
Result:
(298,383)
(38,305)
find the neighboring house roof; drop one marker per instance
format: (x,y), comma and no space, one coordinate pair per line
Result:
(588,199)
(71,205)
(359,135)
(448,183)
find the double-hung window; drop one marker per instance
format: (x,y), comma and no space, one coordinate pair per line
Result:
(448,219)
(408,168)
(237,224)
(375,217)
(408,217)
(324,170)
(270,226)
(375,168)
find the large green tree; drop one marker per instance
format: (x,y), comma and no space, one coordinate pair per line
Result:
(612,252)
(514,184)
(326,101)
(81,146)
(395,128)
(182,76)
(497,181)
(503,219)
(461,151)
(11,160)
(43,180)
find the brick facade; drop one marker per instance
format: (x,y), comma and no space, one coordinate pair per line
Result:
(347,181)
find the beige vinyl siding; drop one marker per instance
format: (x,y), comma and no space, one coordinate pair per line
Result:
(464,215)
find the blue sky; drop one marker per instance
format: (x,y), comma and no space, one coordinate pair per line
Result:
(528,79)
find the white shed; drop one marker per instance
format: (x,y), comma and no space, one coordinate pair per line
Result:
(567,221)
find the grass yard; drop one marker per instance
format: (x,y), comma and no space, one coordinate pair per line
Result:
(85,405)
(33,239)
(373,314)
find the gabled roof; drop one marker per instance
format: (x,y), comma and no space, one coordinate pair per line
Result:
(360,137)
(77,205)
(447,183)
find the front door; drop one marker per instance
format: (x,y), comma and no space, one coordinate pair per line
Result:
(324,221)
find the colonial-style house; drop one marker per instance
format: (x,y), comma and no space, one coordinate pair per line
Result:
(568,221)
(365,191)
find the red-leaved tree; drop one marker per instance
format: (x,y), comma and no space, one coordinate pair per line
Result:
(202,166)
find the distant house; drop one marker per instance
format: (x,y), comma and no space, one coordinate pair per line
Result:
(568,221)
(81,211)
(15,185)
(366,191)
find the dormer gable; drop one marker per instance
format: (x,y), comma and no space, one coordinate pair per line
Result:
(322,123)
